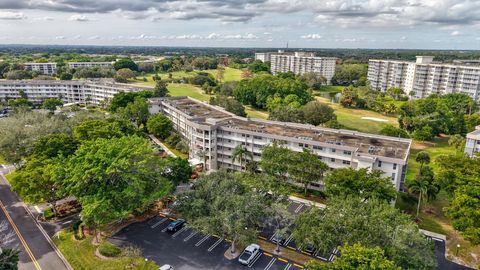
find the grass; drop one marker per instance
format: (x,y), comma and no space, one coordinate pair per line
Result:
(175,151)
(2,160)
(331,88)
(81,255)
(231,74)
(352,118)
(253,113)
(177,89)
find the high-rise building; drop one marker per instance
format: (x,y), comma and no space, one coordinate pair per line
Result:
(43,68)
(424,77)
(213,134)
(74,65)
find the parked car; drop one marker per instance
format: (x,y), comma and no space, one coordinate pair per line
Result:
(249,254)
(309,248)
(166,267)
(176,225)
(279,238)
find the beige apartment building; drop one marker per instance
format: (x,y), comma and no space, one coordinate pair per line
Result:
(213,134)
(424,77)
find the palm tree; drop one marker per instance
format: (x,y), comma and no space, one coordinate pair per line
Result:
(419,186)
(239,153)
(422,158)
(203,155)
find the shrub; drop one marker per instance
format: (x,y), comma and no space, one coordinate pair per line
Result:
(77,228)
(109,250)
(48,213)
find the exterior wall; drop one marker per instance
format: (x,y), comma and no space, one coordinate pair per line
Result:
(299,64)
(215,142)
(93,92)
(43,68)
(424,78)
(472,145)
(73,65)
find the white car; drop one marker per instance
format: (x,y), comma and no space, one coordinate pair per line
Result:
(166,267)
(249,254)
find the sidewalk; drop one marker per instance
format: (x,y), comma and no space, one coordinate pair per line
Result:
(307,202)
(159,143)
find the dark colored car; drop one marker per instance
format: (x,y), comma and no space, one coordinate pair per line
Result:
(279,238)
(176,225)
(309,248)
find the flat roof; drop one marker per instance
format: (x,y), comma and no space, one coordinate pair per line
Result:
(372,144)
(365,143)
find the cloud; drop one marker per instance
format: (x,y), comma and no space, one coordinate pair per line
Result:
(312,36)
(455,33)
(9,15)
(45,18)
(78,18)
(343,13)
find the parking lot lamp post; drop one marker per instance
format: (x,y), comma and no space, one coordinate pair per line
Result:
(458,247)
(145,265)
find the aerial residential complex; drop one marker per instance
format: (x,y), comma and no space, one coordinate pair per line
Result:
(74,65)
(76,91)
(425,77)
(472,145)
(299,63)
(213,133)
(43,68)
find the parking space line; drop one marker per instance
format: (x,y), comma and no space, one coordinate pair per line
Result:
(289,239)
(259,254)
(282,260)
(215,244)
(292,248)
(158,223)
(270,264)
(298,265)
(202,240)
(267,254)
(192,234)
(162,215)
(179,232)
(263,238)
(172,219)
(330,258)
(287,266)
(299,208)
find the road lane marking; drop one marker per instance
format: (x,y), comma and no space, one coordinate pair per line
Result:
(20,237)
(158,223)
(267,254)
(179,232)
(202,240)
(192,234)
(298,265)
(292,248)
(283,260)
(272,261)
(215,244)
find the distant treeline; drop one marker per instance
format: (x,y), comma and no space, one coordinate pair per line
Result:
(348,55)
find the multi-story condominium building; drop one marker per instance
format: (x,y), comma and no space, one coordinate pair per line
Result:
(472,145)
(75,65)
(267,56)
(213,134)
(424,77)
(303,62)
(43,68)
(75,91)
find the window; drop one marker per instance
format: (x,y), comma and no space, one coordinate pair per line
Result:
(317,147)
(379,163)
(332,160)
(347,152)
(346,162)
(300,144)
(394,166)
(334,150)
(393,176)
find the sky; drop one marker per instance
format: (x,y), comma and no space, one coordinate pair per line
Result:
(391,24)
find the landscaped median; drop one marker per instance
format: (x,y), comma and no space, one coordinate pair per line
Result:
(81,255)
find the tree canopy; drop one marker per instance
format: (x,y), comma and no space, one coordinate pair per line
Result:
(160,126)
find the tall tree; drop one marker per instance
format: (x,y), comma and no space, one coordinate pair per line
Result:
(457,141)
(422,158)
(347,182)
(51,104)
(357,257)
(424,186)
(160,126)
(317,113)
(306,168)
(160,89)
(113,177)
(9,259)
(240,153)
(137,111)
(234,217)
(280,219)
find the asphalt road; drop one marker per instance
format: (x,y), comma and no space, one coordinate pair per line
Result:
(36,253)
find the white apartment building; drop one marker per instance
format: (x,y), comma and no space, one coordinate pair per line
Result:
(213,134)
(43,68)
(425,77)
(267,56)
(75,65)
(303,62)
(472,145)
(76,91)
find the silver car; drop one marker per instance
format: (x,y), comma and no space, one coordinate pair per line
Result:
(249,254)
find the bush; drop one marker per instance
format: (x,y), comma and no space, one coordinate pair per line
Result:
(48,213)
(109,250)
(77,229)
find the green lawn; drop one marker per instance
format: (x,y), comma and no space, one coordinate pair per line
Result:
(177,89)
(352,118)
(80,254)
(231,74)
(331,88)
(253,113)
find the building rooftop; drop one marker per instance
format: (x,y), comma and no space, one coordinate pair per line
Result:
(365,143)
(376,145)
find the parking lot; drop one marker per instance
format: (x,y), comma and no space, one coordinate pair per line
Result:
(187,249)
